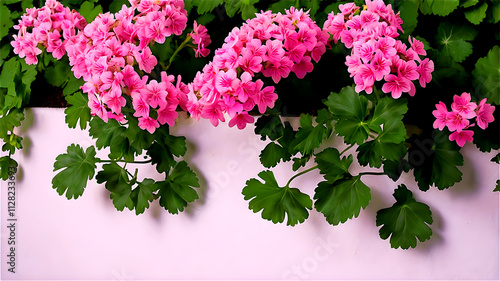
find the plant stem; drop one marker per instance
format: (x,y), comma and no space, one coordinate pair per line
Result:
(300,174)
(371,173)
(188,38)
(123,161)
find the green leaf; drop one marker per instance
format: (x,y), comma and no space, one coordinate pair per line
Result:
(276,201)
(72,85)
(439,163)
(142,194)
(497,188)
(11,143)
(487,76)
(477,15)
(269,126)
(300,162)
(331,166)
(245,7)
(162,153)
(494,12)
(177,191)
(78,111)
(453,38)
(116,5)
(11,120)
(388,109)
(405,221)
(9,71)
(469,3)
(350,110)
(394,168)
(272,154)
(112,134)
(77,167)
(118,183)
(280,6)
(408,11)
(6,22)
(58,74)
(7,164)
(341,200)
(374,152)
(89,11)
(206,6)
(308,137)
(444,7)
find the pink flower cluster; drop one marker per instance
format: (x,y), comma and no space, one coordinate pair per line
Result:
(269,44)
(51,26)
(112,52)
(376,53)
(458,119)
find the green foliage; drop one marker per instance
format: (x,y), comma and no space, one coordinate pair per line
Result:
(77,166)
(439,165)
(477,14)
(78,111)
(454,40)
(6,166)
(487,76)
(405,221)
(331,165)
(177,190)
(341,200)
(276,201)
(350,110)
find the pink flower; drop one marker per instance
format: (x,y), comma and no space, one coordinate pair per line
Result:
(146,60)
(464,106)
(425,69)
(140,105)
(417,46)
(484,114)
(441,113)
(456,121)
(149,124)
(265,98)
(303,67)
(214,113)
(241,120)
(462,136)
(396,85)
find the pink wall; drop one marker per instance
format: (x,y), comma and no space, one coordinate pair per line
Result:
(219,237)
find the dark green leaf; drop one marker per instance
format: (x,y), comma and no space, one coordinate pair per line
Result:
(487,76)
(341,200)
(469,3)
(245,7)
(497,188)
(405,221)
(9,121)
(331,166)
(453,38)
(273,154)
(6,22)
(77,167)
(89,11)
(408,12)
(7,165)
(388,109)
(177,191)
(394,168)
(206,6)
(438,165)
(270,126)
(276,201)
(117,182)
(142,194)
(348,104)
(72,85)
(11,143)
(308,137)
(78,111)
(58,74)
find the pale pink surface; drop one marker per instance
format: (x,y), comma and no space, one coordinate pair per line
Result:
(219,237)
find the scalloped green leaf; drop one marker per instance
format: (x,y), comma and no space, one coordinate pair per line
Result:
(177,191)
(76,168)
(453,40)
(477,14)
(341,200)
(78,111)
(487,76)
(275,201)
(118,183)
(6,165)
(406,221)
(331,165)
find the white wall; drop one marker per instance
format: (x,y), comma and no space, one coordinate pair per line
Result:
(219,237)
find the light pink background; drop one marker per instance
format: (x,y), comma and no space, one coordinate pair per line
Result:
(219,237)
